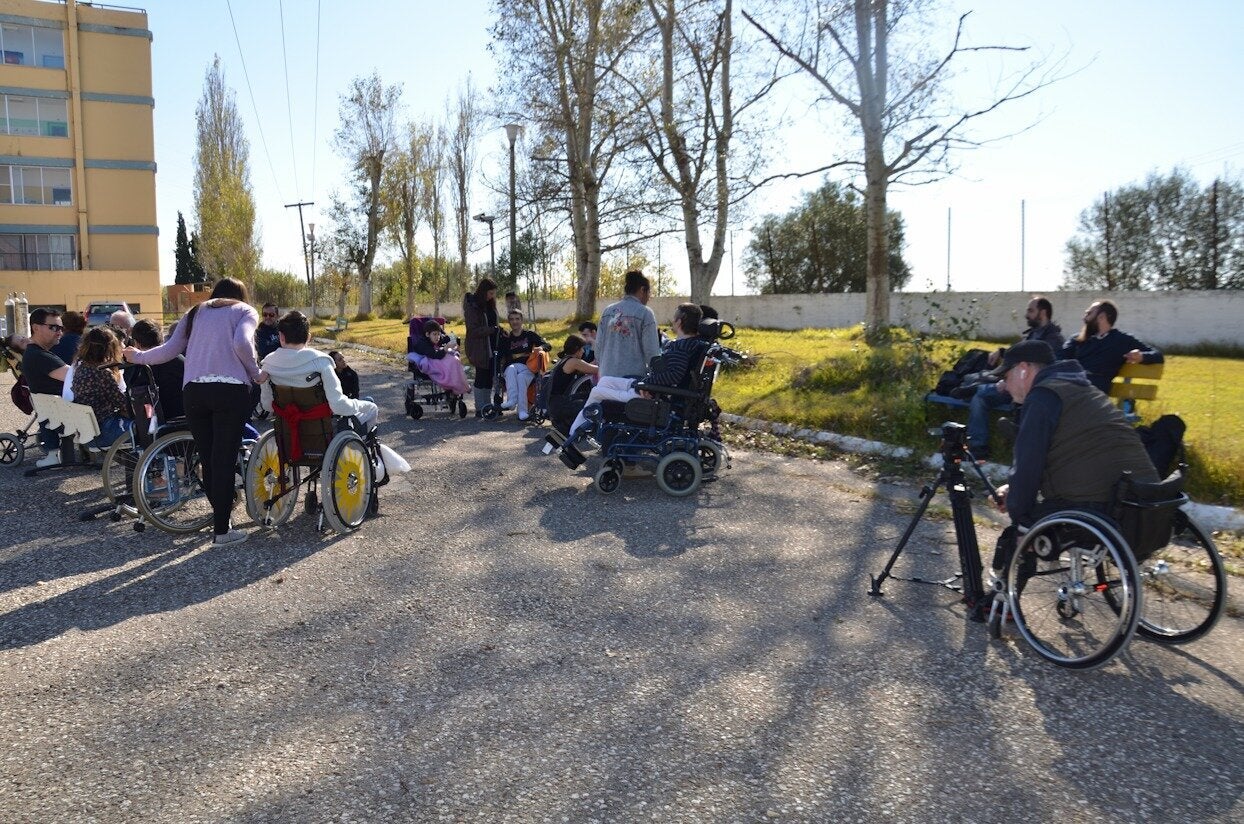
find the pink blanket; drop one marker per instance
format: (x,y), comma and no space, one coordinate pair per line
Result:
(446,372)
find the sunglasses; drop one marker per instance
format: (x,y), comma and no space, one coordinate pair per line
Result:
(53,326)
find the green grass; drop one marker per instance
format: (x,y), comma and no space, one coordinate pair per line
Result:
(831,379)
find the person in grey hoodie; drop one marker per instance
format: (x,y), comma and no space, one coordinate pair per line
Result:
(295,364)
(627,338)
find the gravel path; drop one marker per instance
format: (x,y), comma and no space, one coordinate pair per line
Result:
(503,644)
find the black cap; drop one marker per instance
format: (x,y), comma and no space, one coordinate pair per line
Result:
(1026,351)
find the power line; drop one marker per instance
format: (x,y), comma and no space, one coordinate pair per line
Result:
(251,92)
(289,99)
(315,117)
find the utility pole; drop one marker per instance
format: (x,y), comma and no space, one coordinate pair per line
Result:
(947,248)
(311,257)
(1212,283)
(1106,199)
(1022,247)
(512,130)
(306,262)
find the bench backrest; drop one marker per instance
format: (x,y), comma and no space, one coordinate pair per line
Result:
(313,434)
(1135,382)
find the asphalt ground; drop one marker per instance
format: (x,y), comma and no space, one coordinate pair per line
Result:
(504,644)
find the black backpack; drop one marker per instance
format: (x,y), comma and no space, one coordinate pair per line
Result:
(974,360)
(1164,441)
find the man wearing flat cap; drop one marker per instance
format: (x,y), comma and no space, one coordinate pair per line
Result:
(1072,446)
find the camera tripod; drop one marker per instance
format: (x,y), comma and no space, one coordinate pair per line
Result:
(954,451)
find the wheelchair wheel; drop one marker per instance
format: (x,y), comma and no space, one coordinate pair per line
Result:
(491,411)
(712,457)
(462,409)
(608,478)
(12,450)
(346,482)
(168,486)
(1184,585)
(1073,589)
(118,474)
(414,410)
(679,474)
(262,483)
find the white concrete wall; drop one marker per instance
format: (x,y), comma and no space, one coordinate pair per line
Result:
(1158,318)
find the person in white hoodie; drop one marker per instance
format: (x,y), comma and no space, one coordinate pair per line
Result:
(295,364)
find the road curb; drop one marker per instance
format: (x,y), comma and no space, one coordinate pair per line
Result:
(1208,516)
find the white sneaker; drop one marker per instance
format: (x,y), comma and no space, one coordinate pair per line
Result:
(522,416)
(50,459)
(233,536)
(508,405)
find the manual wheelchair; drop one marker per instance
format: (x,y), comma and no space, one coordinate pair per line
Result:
(332,456)
(664,432)
(1080,583)
(422,391)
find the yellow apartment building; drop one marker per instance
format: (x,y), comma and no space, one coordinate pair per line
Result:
(77,155)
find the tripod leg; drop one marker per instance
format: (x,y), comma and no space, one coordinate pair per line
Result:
(969,550)
(926,496)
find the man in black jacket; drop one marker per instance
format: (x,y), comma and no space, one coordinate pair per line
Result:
(1102,350)
(1072,447)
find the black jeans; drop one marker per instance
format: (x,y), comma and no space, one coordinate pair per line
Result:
(216,413)
(483,378)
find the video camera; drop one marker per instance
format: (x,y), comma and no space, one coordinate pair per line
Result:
(954,441)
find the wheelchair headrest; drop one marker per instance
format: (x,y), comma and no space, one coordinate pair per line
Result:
(711,329)
(415,324)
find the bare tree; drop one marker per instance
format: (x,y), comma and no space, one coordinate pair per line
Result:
(464,120)
(898,98)
(404,197)
(434,210)
(691,124)
(560,70)
(366,138)
(224,205)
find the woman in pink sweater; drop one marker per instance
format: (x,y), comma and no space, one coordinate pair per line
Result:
(217,338)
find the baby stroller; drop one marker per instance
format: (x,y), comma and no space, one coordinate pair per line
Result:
(422,390)
(13,445)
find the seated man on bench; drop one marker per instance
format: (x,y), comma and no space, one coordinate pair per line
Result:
(991,395)
(676,363)
(296,364)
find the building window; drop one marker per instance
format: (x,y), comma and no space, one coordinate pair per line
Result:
(32,46)
(36,116)
(36,185)
(36,252)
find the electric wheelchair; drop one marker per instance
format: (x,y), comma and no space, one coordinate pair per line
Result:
(332,456)
(1080,583)
(664,432)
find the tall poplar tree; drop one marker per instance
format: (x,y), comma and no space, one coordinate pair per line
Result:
(223,202)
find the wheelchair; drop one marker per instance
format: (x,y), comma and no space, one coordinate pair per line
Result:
(664,432)
(332,456)
(422,391)
(1081,583)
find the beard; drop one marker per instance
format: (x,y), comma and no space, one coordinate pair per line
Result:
(1033,323)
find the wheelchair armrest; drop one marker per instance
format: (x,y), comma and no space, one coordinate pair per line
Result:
(1151,494)
(672,391)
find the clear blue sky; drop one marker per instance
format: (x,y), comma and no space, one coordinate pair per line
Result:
(1155,91)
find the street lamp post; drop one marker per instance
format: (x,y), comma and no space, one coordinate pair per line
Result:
(512,130)
(492,249)
(311,255)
